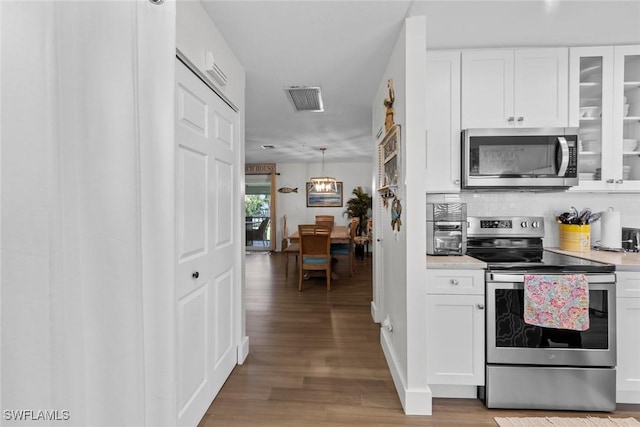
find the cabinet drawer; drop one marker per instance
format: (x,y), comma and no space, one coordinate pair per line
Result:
(470,282)
(628,284)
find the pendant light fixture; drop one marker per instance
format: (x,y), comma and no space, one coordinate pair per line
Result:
(324,184)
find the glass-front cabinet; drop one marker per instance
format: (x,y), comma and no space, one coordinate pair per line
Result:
(604,103)
(626,108)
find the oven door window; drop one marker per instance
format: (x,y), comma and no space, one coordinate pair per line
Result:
(513,332)
(513,157)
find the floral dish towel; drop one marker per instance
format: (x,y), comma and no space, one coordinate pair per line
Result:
(557,301)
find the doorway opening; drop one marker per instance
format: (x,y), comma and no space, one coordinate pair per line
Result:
(258,208)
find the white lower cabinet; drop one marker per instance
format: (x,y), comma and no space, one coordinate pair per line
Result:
(628,337)
(456,316)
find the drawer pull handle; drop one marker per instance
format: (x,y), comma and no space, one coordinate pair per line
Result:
(480,306)
(455,282)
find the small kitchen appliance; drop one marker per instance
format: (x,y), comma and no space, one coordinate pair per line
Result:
(519,158)
(535,367)
(631,239)
(446,228)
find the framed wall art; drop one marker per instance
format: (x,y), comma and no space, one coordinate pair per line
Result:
(324,200)
(390,147)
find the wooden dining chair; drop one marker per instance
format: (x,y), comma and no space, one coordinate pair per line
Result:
(365,239)
(347,249)
(288,248)
(325,220)
(314,255)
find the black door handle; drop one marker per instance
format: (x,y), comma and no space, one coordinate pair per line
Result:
(195,275)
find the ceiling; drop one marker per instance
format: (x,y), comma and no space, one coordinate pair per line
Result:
(341,46)
(344,46)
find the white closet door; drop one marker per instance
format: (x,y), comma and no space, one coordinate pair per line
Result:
(205,273)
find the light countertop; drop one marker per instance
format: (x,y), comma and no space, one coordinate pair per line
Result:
(461,262)
(624,261)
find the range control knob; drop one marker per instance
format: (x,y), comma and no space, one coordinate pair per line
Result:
(535,224)
(524,224)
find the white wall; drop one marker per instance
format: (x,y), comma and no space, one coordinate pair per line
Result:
(401,273)
(197,34)
(87,209)
(294,205)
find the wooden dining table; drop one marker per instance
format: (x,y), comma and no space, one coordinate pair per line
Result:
(339,234)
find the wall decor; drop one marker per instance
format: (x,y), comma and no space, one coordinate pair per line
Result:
(316,199)
(388,104)
(390,147)
(396,215)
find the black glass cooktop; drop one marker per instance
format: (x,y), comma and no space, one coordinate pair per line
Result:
(538,260)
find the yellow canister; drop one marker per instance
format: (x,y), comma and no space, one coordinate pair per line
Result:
(575,238)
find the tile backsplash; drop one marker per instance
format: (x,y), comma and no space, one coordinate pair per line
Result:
(546,205)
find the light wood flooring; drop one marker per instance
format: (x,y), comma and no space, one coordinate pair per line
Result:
(315,360)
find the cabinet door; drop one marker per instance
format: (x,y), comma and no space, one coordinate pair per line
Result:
(487,89)
(443,121)
(626,117)
(591,111)
(456,340)
(541,87)
(628,349)
(606,79)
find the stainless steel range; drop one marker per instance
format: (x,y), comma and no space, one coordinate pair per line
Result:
(536,367)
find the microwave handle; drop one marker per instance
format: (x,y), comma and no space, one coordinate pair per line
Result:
(564,151)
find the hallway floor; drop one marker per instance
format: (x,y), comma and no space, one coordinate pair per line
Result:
(315,360)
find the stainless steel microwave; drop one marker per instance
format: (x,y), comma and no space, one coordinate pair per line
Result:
(519,158)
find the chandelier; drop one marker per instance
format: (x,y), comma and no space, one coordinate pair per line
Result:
(324,184)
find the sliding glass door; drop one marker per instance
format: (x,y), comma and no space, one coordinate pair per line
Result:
(257,208)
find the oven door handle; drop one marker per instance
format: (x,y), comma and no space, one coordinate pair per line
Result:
(519,278)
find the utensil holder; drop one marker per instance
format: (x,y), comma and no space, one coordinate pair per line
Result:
(575,238)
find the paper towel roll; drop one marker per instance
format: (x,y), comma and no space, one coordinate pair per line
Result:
(611,230)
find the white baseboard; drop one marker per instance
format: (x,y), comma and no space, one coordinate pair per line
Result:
(414,402)
(374,313)
(628,396)
(243,350)
(454,391)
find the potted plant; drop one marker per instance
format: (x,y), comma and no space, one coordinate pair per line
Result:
(358,207)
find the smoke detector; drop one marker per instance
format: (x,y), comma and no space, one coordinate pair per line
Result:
(305,98)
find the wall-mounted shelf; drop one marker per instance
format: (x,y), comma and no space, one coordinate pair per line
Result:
(387,192)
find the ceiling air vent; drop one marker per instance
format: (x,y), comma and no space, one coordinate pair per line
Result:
(305,98)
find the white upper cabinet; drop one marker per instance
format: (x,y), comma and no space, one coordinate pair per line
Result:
(605,105)
(626,116)
(487,89)
(443,121)
(504,88)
